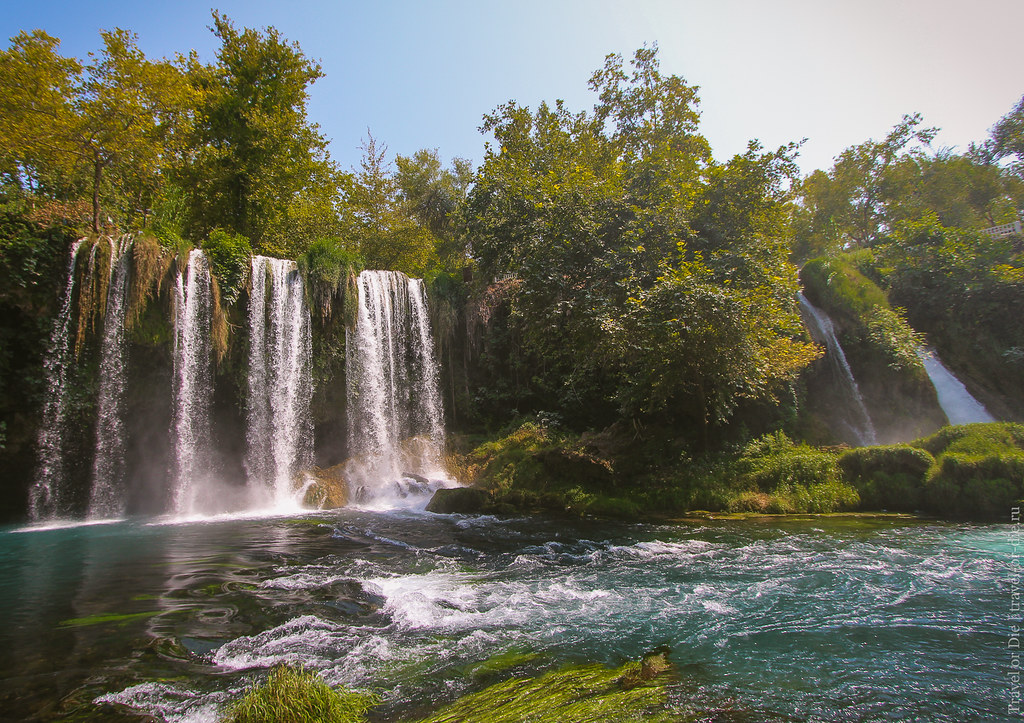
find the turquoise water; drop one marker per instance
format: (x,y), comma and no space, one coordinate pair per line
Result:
(837,619)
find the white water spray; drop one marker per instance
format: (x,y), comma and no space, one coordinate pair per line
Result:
(279,427)
(821,327)
(106,497)
(395,417)
(959,405)
(193,383)
(45,495)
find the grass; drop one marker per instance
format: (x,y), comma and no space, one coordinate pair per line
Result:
(296,695)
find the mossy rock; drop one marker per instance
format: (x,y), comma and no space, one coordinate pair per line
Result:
(458,500)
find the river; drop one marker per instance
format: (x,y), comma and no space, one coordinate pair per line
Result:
(788,619)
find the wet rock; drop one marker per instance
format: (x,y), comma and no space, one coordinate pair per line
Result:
(328,490)
(462,500)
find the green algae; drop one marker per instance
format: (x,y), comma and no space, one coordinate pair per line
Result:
(118,618)
(583,694)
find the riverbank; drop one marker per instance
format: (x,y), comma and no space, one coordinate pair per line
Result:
(960,472)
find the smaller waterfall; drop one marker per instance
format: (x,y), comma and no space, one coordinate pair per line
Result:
(45,495)
(106,498)
(193,384)
(821,328)
(395,417)
(959,404)
(279,427)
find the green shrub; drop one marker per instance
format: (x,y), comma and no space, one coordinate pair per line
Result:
(975,439)
(887,477)
(230,259)
(892,335)
(328,267)
(295,695)
(774,461)
(842,290)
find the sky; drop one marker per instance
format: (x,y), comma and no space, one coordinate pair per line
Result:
(421,74)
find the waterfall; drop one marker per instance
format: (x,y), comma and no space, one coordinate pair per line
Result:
(106,498)
(45,495)
(395,417)
(279,427)
(193,383)
(821,327)
(959,405)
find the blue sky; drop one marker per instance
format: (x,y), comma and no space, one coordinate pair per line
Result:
(421,74)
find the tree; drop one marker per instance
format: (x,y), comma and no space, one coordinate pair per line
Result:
(646,272)
(849,205)
(109,126)
(257,159)
(435,196)
(388,233)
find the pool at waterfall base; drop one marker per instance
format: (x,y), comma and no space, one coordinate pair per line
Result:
(852,618)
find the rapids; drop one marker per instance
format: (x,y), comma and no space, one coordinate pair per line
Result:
(789,619)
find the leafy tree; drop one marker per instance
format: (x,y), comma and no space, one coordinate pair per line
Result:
(646,273)
(849,205)
(1007,137)
(435,196)
(258,167)
(389,233)
(108,126)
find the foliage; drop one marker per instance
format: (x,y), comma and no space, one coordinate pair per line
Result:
(623,236)
(326,267)
(296,695)
(105,128)
(230,258)
(634,691)
(258,167)
(888,477)
(889,331)
(388,227)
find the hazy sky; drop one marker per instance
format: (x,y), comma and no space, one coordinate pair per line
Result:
(421,74)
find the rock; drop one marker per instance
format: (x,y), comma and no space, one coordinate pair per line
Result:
(462,500)
(328,490)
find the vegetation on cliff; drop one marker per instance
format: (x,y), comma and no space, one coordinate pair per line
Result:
(600,272)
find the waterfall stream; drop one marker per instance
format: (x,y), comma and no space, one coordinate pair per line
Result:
(193,384)
(46,493)
(394,406)
(959,405)
(279,427)
(823,332)
(106,498)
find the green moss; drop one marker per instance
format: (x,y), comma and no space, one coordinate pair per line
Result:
(120,619)
(632,692)
(499,663)
(295,695)
(840,288)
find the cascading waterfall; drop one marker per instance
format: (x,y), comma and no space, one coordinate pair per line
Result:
(959,405)
(821,328)
(279,426)
(193,383)
(395,415)
(106,498)
(45,495)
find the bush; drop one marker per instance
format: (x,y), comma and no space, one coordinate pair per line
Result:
(326,267)
(295,695)
(783,477)
(889,331)
(887,477)
(230,259)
